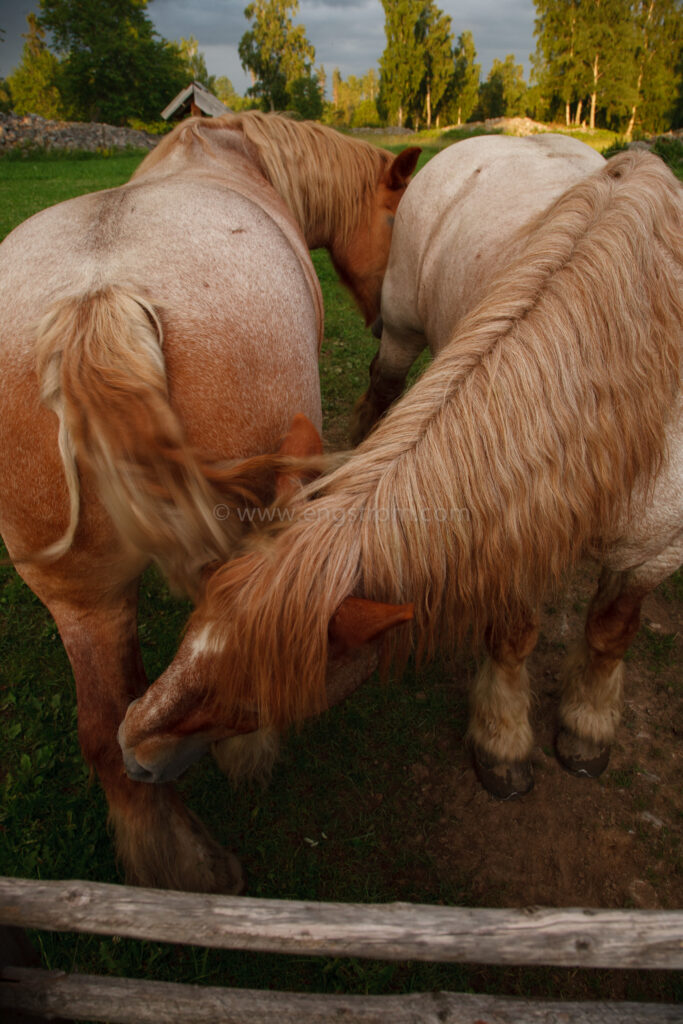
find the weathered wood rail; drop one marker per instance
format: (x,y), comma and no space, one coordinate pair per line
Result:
(640,939)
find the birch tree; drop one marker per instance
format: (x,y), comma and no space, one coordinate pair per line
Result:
(463,93)
(436,37)
(402,62)
(275,51)
(659,39)
(555,63)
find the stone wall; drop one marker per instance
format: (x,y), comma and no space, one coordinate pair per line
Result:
(30,131)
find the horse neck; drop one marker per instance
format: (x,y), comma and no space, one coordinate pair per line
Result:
(326,180)
(326,223)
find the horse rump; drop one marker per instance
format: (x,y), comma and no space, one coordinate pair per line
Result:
(101,369)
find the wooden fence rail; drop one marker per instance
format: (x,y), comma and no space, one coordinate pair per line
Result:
(398,931)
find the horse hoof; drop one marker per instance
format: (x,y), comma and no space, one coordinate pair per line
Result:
(579,756)
(505,780)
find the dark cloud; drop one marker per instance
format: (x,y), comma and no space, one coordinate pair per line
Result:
(13,21)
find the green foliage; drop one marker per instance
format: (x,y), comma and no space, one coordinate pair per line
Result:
(195,63)
(33,83)
(554,65)
(305,98)
(463,91)
(5,96)
(114,66)
(225,91)
(605,51)
(402,63)
(616,61)
(151,127)
(504,92)
(365,115)
(658,65)
(425,78)
(434,33)
(671,152)
(276,52)
(354,101)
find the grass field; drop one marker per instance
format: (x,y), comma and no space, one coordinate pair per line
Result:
(358,808)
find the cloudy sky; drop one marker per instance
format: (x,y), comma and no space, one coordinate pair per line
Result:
(347,34)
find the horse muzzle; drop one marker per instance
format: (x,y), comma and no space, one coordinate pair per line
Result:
(160,758)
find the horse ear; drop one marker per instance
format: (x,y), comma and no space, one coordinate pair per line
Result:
(301,441)
(357,621)
(401,168)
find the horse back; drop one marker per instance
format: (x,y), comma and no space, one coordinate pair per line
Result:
(457,222)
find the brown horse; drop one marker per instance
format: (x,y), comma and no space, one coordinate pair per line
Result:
(151,335)
(549,427)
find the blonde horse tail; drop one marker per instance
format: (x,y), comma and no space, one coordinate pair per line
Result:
(101,370)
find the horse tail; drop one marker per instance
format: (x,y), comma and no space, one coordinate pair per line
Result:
(101,370)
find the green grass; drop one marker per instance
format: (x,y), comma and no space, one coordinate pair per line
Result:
(436,139)
(671,151)
(329,826)
(33,182)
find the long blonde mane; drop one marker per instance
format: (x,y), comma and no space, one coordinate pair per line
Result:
(303,161)
(522,445)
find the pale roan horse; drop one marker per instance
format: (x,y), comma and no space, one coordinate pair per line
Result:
(452,235)
(151,337)
(548,427)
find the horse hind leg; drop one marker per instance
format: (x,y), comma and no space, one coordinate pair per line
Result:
(593,674)
(499,731)
(388,371)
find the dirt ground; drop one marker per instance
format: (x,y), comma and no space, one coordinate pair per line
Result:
(573,842)
(613,842)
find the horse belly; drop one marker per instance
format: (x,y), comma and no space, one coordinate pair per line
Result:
(650,542)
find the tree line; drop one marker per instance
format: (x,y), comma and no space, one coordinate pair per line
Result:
(611,63)
(603,63)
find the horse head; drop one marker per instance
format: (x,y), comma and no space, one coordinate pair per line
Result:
(181,715)
(361,260)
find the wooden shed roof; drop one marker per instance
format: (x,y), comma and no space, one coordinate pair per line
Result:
(194,95)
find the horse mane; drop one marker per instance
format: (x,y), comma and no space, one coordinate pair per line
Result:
(302,160)
(525,442)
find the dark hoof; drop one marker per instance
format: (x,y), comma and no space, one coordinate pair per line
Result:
(505,780)
(581,756)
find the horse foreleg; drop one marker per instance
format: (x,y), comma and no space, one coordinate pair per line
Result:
(499,729)
(159,842)
(388,371)
(593,674)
